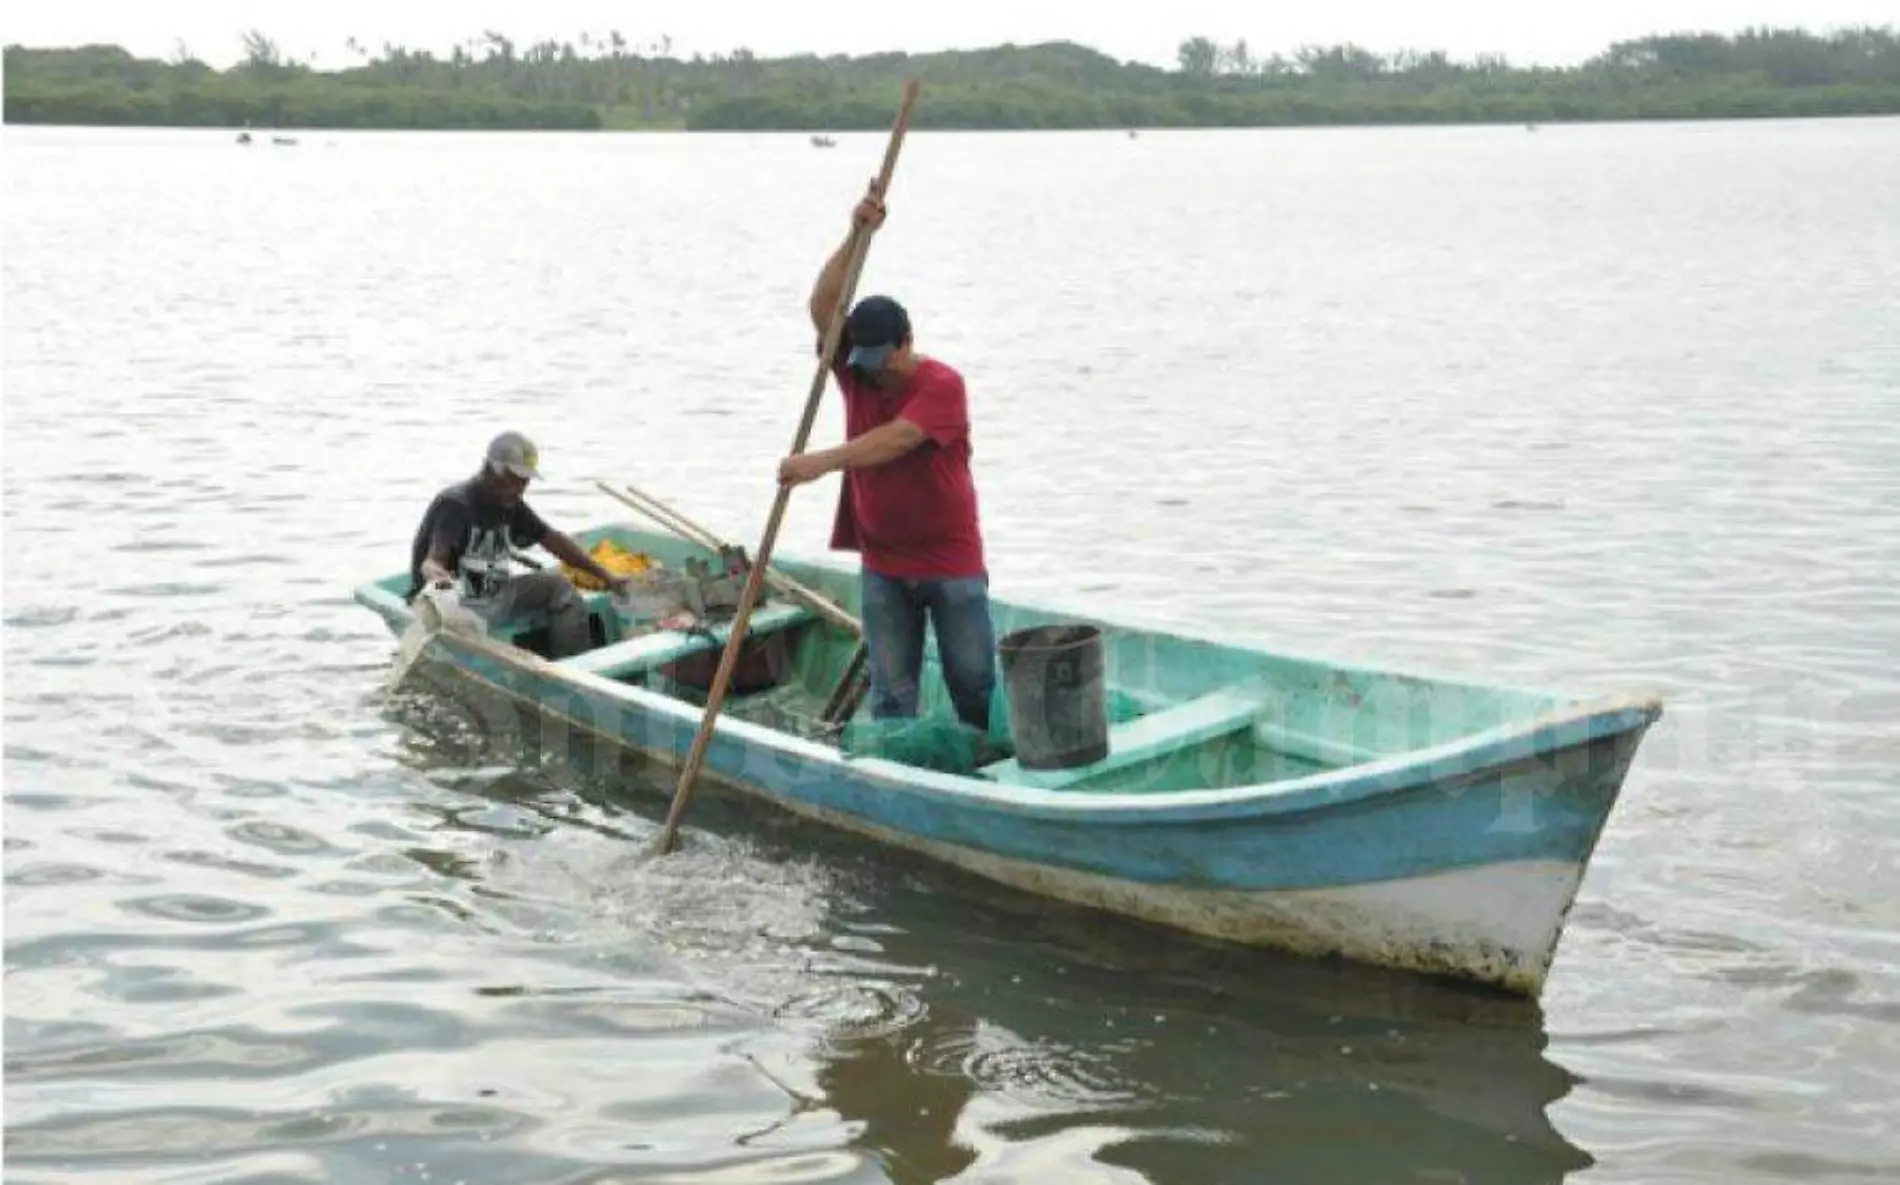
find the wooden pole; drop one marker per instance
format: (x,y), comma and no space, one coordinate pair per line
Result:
(849,692)
(693,533)
(858,247)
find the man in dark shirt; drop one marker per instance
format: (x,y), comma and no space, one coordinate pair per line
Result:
(469,533)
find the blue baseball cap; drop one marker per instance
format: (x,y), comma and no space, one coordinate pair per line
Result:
(877,327)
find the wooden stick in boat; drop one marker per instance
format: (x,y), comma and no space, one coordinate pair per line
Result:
(850,691)
(691,531)
(695,534)
(859,247)
(847,695)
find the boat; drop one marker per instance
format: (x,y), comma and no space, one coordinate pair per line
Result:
(822,141)
(1409,821)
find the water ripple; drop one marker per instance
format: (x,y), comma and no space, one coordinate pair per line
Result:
(181,907)
(263,926)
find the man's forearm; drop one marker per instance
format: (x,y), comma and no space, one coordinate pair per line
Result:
(874,448)
(569,552)
(830,287)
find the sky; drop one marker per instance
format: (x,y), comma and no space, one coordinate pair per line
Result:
(1525,31)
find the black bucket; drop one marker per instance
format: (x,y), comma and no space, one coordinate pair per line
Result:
(1058,708)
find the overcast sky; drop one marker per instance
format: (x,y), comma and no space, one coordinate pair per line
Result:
(1526,31)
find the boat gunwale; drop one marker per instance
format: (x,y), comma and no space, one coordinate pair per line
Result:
(1574,723)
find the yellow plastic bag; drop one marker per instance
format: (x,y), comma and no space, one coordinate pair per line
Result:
(615,559)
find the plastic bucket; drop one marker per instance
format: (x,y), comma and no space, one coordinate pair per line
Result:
(1058,709)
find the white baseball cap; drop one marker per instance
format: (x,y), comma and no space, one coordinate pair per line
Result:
(515,453)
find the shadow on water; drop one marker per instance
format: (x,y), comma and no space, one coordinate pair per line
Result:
(964,1030)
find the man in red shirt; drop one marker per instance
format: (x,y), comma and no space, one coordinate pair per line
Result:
(907,504)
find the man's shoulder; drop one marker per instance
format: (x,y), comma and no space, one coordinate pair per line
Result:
(938,382)
(935,370)
(461,492)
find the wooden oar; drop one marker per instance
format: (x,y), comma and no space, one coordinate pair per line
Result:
(859,246)
(699,536)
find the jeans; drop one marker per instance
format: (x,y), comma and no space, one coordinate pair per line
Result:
(542,592)
(959,612)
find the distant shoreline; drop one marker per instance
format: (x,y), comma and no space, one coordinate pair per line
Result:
(263,135)
(1763,74)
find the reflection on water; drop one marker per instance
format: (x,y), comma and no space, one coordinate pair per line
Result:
(1222,1069)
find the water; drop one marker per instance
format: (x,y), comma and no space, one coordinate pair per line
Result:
(1596,407)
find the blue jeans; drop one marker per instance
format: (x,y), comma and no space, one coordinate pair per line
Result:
(959,612)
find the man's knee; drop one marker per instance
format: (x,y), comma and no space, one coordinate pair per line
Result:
(552,591)
(894,681)
(968,649)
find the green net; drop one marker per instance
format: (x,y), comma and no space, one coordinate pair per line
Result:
(949,746)
(937,740)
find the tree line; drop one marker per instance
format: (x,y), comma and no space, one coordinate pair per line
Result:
(606,81)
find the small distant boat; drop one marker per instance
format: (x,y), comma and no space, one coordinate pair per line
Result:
(1133,134)
(284,140)
(244,138)
(822,142)
(1269,799)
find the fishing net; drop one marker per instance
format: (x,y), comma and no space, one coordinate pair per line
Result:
(935,739)
(949,746)
(435,610)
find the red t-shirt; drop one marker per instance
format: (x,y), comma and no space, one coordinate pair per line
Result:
(914,517)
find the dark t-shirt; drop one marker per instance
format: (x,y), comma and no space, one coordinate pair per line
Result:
(467,526)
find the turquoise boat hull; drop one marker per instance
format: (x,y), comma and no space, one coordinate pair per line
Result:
(1419,823)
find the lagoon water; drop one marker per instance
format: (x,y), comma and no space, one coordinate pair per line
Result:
(1593,407)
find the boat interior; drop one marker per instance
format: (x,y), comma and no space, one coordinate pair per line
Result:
(1182,713)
